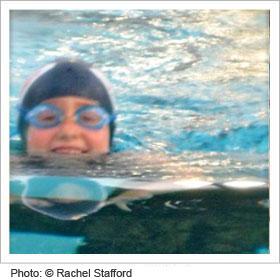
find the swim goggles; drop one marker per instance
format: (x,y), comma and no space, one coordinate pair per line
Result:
(48,116)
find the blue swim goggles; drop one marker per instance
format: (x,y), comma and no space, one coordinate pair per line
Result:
(47,116)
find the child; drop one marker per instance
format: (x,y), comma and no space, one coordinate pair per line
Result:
(66,109)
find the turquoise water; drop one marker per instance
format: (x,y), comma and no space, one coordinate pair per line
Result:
(191,90)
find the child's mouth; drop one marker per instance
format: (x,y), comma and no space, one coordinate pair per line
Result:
(68,150)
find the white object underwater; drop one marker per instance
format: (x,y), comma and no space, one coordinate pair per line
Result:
(244,184)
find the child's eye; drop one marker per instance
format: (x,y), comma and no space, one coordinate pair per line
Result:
(90,118)
(46,117)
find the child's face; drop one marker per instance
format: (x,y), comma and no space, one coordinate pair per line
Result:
(68,137)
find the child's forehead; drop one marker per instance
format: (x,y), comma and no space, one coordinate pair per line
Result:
(71,101)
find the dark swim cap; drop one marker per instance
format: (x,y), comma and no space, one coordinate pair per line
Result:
(64,77)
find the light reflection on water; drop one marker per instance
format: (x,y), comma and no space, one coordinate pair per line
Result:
(204,70)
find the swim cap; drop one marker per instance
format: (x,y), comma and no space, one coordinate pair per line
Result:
(64,77)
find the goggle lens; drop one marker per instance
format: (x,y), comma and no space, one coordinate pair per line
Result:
(46,118)
(91,116)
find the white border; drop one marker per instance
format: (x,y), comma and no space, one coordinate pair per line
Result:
(273,257)
(274,131)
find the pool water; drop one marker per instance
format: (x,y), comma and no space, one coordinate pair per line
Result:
(191,91)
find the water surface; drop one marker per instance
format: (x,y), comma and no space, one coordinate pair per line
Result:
(192,97)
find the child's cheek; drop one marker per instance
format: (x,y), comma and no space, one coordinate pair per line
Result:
(39,138)
(99,141)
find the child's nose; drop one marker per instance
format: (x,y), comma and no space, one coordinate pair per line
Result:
(68,129)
